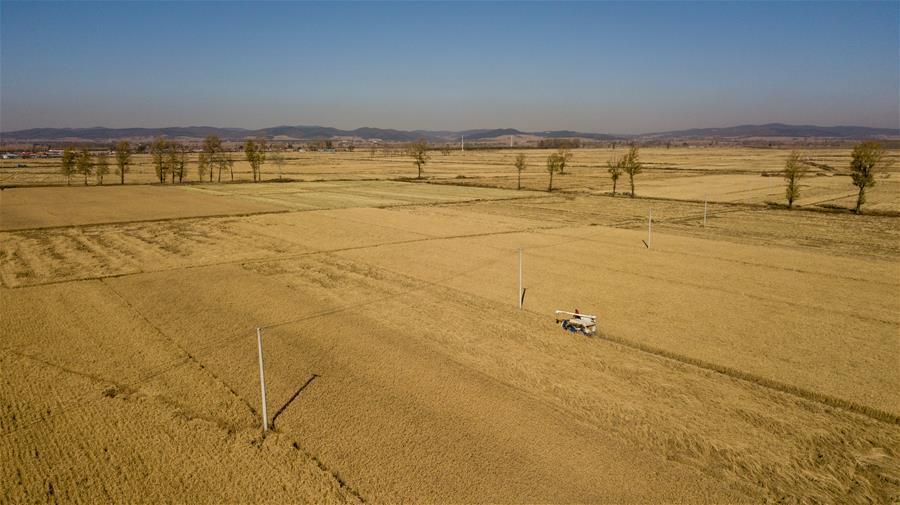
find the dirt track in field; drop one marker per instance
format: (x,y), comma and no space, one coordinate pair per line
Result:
(400,370)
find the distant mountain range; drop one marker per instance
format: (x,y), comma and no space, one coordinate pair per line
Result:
(100,134)
(780,130)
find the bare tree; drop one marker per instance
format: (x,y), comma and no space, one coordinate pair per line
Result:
(520,167)
(277,157)
(84,164)
(172,159)
(67,166)
(203,166)
(418,151)
(866,158)
(553,164)
(615,169)
(101,167)
(255,150)
(794,170)
(219,164)
(159,152)
(212,150)
(226,161)
(123,158)
(631,165)
(563,155)
(177,160)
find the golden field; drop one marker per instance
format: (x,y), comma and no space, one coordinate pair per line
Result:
(751,360)
(719,174)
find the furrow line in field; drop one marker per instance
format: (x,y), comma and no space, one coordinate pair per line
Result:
(805,394)
(353,306)
(188,354)
(783,301)
(249,214)
(84,400)
(283,256)
(719,258)
(139,221)
(145,376)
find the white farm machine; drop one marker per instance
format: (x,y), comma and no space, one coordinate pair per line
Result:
(577,322)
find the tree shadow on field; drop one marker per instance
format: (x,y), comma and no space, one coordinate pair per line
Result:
(293,397)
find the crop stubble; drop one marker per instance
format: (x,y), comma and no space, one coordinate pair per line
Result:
(419,378)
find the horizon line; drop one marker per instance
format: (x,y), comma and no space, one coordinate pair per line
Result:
(446,130)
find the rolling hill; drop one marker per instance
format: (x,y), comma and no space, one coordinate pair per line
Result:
(300,133)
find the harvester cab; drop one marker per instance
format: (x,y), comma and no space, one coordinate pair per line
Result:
(577,322)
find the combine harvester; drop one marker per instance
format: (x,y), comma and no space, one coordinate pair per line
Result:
(577,322)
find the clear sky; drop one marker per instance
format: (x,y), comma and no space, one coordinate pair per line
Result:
(602,67)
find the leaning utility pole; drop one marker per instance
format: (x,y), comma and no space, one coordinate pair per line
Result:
(521,293)
(262,380)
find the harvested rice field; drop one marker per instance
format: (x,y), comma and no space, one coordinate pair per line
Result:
(752,358)
(718,174)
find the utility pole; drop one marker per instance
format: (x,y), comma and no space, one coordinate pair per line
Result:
(262,379)
(520,278)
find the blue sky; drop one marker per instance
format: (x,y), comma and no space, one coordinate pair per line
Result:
(603,67)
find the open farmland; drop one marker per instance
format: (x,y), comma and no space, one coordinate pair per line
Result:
(719,174)
(754,359)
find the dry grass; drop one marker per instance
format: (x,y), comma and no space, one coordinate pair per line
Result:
(400,370)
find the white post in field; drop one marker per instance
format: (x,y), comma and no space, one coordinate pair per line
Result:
(704,210)
(520,278)
(650,229)
(462,143)
(262,379)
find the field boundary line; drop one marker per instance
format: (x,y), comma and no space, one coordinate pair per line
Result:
(84,400)
(283,257)
(46,362)
(772,384)
(779,301)
(813,207)
(187,353)
(782,387)
(733,260)
(139,221)
(258,213)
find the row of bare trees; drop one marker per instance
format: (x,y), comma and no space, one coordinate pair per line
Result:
(214,159)
(85,163)
(628,164)
(558,161)
(865,160)
(170,160)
